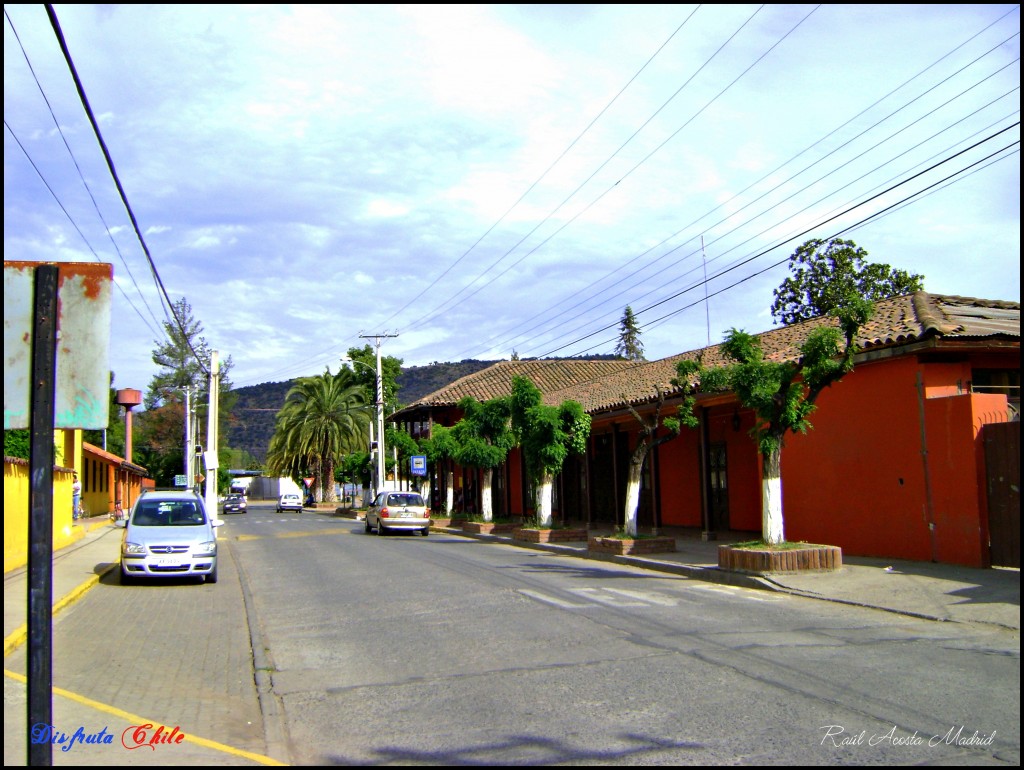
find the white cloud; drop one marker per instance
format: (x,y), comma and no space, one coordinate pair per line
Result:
(339,167)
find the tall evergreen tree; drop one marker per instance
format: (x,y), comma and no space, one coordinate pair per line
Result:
(184,360)
(629,345)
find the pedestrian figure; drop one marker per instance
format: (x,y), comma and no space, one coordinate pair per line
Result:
(76,498)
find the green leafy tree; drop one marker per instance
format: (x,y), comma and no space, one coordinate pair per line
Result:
(365,371)
(400,446)
(655,429)
(439,450)
(323,418)
(184,358)
(629,345)
(356,468)
(18,443)
(824,274)
(547,434)
(158,443)
(484,437)
(782,394)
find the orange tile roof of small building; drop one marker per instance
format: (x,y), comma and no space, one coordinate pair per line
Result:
(496,380)
(608,384)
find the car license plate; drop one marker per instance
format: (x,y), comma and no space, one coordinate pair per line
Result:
(167,561)
(406,514)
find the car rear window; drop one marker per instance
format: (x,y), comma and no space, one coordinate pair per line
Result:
(163,513)
(414,500)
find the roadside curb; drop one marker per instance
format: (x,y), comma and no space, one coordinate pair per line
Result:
(694,572)
(16,638)
(275,731)
(714,575)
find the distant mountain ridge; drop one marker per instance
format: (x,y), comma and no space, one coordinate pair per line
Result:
(254,413)
(255,410)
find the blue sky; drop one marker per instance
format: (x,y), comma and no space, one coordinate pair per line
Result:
(482,180)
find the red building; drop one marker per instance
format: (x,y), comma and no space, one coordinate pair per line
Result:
(896,465)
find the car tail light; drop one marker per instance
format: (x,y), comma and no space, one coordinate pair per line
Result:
(384,513)
(426,513)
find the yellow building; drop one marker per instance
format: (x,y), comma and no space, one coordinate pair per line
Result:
(106,480)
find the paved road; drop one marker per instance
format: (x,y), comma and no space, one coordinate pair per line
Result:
(444,650)
(448,650)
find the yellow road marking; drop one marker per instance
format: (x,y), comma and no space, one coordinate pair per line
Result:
(241,538)
(137,720)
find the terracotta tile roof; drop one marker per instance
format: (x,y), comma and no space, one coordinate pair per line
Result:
(896,321)
(494,381)
(609,384)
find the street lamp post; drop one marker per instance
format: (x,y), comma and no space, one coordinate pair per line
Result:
(380,406)
(380,422)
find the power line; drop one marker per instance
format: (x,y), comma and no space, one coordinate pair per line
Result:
(78,168)
(55,24)
(771,174)
(547,170)
(74,224)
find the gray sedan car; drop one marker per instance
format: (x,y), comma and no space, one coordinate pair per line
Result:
(397,511)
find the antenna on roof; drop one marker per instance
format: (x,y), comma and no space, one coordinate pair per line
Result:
(707,310)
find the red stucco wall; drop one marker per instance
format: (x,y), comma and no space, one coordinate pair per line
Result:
(858,478)
(679,480)
(955,457)
(743,465)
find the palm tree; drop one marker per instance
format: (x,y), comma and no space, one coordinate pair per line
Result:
(323,418)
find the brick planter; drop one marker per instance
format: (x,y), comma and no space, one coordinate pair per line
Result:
(444,522)
(765,561)
(487,527)
(617,547)
(549,535)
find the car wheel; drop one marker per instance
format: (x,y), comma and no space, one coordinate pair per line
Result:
(124,578)
(366,524)
(425,531)
(380,529)
(212,576)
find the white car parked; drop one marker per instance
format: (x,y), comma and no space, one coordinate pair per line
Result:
(169,535)
(289,501)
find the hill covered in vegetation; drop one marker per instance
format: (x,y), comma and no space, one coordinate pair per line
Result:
(253,416)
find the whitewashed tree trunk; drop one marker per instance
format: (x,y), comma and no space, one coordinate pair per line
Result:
(544,500)
(633,497)
(486,509)
(449,502)
(771,498)
(424,488)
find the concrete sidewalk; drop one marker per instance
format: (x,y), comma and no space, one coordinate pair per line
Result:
(76,569)
(942,592)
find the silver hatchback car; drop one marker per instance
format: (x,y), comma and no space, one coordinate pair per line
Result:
(169,535)
(397,510)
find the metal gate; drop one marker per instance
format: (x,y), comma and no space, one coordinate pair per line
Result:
(1002,470)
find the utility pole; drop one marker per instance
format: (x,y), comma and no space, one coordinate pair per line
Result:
(212,462)
(189,480)
(379,407)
